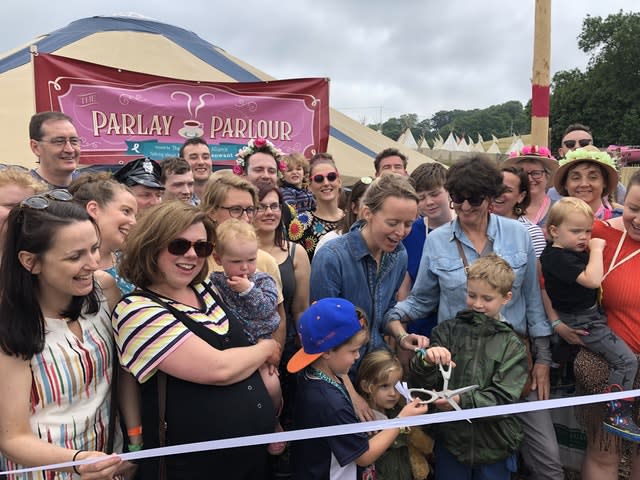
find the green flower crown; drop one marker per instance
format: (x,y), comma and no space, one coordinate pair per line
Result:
(582,154)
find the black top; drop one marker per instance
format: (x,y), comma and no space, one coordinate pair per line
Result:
(196,413)
(560,269)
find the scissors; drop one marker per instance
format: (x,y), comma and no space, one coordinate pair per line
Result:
(445,392)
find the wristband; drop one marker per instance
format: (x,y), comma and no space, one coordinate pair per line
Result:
(135,447)
(134,431)
(555,323)
(75,456)
(401,337)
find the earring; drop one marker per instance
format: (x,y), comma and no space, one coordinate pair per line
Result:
(518,210)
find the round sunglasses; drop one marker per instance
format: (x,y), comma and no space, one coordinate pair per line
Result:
(180,246)
(331,177)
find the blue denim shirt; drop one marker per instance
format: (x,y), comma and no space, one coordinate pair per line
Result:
(442,283)
(345,268)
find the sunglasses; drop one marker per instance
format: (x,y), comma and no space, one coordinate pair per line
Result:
(583,142)
(331,177)
(180,246)
(475,201)
(42,201)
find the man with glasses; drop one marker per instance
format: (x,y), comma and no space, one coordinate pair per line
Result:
(54,140)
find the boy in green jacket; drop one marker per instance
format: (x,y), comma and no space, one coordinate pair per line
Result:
(487,352)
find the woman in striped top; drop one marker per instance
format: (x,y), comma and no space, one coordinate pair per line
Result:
(56,346)
(175,332)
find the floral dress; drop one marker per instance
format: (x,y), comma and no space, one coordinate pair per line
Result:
(307,230)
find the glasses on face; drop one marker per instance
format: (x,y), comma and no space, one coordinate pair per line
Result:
(180,246)
(60,142)
(536,174)
(583,142)
(236,211)
(42,201)
(274,207)
(331,177)
(474,201)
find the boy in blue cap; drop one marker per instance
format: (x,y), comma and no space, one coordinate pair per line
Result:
(332,332)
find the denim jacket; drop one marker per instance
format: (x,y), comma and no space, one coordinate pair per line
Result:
(442,283)
(344,268)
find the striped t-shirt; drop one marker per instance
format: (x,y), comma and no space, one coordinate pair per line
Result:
(146,333)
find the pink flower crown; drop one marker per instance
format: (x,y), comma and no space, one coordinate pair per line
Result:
(532,150)
(254,146)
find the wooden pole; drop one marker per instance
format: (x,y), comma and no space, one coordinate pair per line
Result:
(541,78)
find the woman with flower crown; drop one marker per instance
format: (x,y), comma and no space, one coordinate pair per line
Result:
(540,167)
(590,175)
(325,184)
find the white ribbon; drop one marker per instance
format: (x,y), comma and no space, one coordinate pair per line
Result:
(293,435)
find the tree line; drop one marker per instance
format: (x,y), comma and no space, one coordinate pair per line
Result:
(606,96)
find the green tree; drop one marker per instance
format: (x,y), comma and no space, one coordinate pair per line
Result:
(606,96)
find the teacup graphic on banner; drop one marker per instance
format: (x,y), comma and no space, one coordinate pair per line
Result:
(191,129)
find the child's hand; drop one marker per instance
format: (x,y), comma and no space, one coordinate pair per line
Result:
(414,408)
(439,356)
(597,244)
(239,284)
(443,404)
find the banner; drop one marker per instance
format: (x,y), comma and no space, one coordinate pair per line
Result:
(120,115)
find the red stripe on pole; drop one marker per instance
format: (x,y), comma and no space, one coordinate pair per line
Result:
(540,99)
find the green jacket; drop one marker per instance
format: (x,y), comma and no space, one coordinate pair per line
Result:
(487,353)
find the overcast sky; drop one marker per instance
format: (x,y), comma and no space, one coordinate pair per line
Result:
(384,58)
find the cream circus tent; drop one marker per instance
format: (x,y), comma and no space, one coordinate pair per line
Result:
(147,46)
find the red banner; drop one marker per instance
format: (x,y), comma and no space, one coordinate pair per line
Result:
(120,113)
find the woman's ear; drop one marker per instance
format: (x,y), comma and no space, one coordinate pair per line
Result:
(365,213)
(29,261)
(92,208)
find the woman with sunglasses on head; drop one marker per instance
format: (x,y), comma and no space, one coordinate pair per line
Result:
(473,184)
(197,370)
(114,208)
(325,184)
(540,167)
(367,265)
(56,347)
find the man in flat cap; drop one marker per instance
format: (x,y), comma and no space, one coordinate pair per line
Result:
(142,176)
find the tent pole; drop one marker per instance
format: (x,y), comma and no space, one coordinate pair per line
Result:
(541,78)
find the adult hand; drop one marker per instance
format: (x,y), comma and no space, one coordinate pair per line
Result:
(571,335)
(275,352)
(413,341)
(127,471)
(362,408)
(105,469)
(540,381)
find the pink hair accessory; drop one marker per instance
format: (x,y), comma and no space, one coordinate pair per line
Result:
(532,150)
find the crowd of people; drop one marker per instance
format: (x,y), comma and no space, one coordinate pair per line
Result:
(166,304)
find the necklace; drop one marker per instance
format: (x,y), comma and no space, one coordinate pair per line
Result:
(320,375)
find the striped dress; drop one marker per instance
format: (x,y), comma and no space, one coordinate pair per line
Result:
(146,333)
(70,388)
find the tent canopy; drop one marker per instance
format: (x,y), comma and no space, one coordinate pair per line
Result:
(165,50)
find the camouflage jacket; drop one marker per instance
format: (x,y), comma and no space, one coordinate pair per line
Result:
(487,352)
